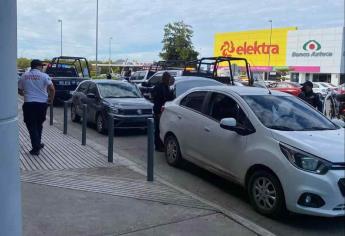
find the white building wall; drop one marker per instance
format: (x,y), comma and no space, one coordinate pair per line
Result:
(331,41)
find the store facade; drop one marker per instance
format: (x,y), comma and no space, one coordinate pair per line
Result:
(299,55)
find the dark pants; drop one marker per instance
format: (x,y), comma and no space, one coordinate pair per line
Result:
(34,116)
(158,142)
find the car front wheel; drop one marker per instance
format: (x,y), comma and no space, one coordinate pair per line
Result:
(266,194)
(172,151)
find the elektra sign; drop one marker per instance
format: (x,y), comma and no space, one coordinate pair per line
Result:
(229,48)
(312,48)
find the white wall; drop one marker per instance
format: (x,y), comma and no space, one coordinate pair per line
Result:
(331,41)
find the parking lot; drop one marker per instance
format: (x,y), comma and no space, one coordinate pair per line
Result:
(132,145)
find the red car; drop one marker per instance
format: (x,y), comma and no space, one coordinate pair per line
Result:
(286,87)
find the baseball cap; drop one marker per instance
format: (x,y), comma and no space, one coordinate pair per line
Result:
(308,83)
(35,63)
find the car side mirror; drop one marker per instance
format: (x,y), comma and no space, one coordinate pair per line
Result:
(228,123)
(91,95)
(231,124)
(145,84)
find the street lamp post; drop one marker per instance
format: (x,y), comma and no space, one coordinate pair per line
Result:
(97,39)
(60,21)
(269,51)
(110,54)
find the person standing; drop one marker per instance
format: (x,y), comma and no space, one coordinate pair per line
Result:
(310,97)
(38,91)
(161,93)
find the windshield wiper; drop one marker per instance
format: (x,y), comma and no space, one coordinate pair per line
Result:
(318,128)
(279,127)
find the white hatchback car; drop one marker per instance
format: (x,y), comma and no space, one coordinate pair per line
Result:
(285,153)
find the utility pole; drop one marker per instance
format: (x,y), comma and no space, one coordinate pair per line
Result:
(269,51)
(110,54)
(97,39)
(60,21)
(10,199)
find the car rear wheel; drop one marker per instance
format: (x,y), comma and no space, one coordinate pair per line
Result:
(100,124)
(172,151)
(74,116)
(266,194)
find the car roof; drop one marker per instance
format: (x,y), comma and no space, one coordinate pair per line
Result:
(194,78)
(170,71)
(241,90)
(108,81)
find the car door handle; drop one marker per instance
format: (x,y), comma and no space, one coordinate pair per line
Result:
(206,129)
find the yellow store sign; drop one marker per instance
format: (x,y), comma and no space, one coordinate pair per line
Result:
(255,46)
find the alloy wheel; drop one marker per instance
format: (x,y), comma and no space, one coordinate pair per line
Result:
(264,193)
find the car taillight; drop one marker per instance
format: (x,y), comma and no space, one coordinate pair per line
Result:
(162,109)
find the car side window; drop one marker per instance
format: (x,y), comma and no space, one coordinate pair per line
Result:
(83,87)
(222,106)
(194,100)
(156,79)
(93,89)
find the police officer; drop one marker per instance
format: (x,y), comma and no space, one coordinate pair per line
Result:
(310,97)
(161,93)
(38,90)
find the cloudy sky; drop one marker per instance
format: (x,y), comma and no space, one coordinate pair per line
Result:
(136,26)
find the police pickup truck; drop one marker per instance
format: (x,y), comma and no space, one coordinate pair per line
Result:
(66,73)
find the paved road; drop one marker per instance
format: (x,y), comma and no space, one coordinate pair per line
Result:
(132,145)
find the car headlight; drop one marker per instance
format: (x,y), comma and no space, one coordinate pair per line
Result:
(305,161)
(114,109)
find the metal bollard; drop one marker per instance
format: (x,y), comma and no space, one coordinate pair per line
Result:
(65,113)
(51,113)
(83,135)
(110,137)
(150,148)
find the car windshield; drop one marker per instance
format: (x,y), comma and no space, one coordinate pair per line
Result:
(118,90)
(287,113)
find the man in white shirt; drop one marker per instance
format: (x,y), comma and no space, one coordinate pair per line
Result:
(38,91)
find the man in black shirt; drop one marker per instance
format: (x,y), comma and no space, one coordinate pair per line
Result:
(161,93)
(310,97)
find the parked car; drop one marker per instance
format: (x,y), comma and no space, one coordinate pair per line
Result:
(286,87)
(66,73)
(147,86)
(320,88)
(103,97)
(286,154)
(140,76)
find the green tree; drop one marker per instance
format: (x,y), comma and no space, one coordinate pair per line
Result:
(177,42)
(23,63)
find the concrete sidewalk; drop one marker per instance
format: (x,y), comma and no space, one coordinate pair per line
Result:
(72,190)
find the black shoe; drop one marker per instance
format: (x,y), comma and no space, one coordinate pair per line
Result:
(42,145)
(35,152)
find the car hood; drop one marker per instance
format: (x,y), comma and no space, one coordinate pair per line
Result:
(130,103)
(327,144)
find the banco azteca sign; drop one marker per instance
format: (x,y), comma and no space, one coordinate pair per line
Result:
(312,48)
